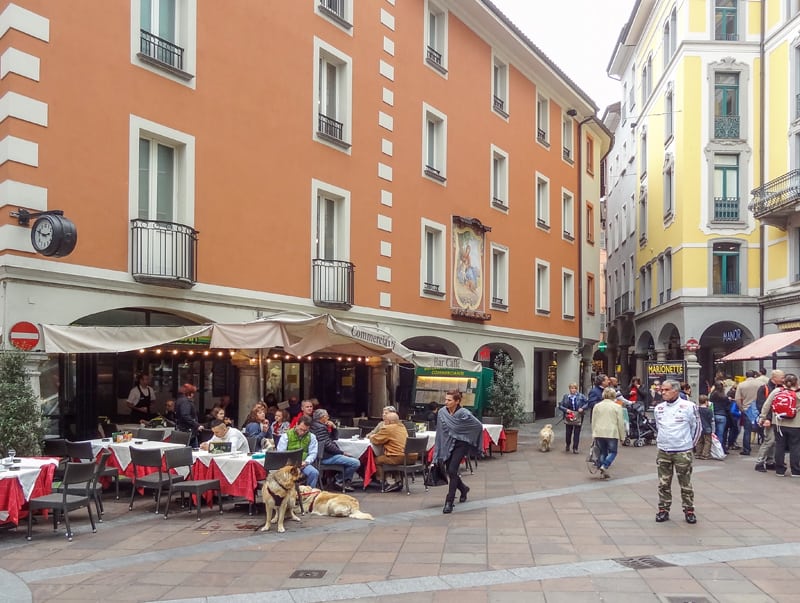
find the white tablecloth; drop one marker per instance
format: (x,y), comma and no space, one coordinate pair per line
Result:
(494,432)
(355,448)
(230,464)
(28,473)
(122,450)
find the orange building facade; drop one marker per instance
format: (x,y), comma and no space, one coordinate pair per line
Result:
(418,165)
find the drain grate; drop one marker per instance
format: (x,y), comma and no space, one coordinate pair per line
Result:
(310,574)
(686,599)
(645,562)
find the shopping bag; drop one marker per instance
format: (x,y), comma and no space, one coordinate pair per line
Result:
(717,452)
(752,412)
(437,475)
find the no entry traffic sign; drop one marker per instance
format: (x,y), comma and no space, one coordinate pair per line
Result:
(24,335)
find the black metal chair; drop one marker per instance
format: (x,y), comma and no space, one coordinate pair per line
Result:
(63,502)
(348,432)
(57,448)
(179,437)
(151,435)
(252,443)
(83,451)
(95,488)
(175,458)
(414,446)
(150,458)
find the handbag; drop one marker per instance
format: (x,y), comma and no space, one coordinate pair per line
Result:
(734,410)
(572,417)
(437,475)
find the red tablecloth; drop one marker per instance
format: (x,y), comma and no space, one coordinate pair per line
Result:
(487,440)
(12,498)
(243,486)
(368,466)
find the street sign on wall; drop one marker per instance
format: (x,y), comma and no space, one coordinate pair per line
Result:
(24,335)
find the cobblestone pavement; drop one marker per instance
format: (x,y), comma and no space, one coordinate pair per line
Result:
(537,528)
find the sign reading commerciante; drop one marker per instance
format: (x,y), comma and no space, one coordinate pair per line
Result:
(381,339)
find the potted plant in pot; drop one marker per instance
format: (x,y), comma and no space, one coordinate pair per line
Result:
(21,417)
(504,399)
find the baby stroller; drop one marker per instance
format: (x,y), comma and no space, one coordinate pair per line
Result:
(642,429)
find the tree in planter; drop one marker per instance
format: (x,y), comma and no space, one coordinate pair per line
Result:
(504,393)
(20,415)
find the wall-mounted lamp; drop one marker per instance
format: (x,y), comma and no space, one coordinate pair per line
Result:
(572,112)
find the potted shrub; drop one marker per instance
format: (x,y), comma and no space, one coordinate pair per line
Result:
(504,399)
(20,415)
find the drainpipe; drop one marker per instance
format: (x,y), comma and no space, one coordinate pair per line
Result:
(579,235)
(761,166)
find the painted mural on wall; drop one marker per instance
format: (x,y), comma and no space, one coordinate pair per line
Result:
(468,257)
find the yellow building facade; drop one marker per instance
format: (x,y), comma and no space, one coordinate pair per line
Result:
(689,249)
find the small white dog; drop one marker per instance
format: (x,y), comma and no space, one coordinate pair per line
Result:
(546,438)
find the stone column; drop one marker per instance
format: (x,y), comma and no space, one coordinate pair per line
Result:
(248,390)
(661,355)
(693,373)
(378,393)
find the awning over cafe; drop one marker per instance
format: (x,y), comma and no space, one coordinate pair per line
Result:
(296,333)
(764,347)
(74,339)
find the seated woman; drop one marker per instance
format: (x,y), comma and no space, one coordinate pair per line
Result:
(256,425)
(216,413)
(281,424)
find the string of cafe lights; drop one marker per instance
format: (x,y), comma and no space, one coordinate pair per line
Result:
(268,358)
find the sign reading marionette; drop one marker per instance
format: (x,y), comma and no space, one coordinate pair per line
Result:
(467,299)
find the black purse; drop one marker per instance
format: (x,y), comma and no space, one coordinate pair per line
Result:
(436,476)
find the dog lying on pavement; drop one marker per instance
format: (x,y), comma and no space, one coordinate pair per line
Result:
(280,495)
(546,438)
(332,504)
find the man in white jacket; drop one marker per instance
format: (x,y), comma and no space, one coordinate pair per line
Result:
(679,428)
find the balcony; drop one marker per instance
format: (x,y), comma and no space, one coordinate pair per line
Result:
(333,283)
(432,289)
(162,53)
(434,58)
(797,106)
(331,130)
(499,105)
(541,136)
(726,209)
(624,304)
(335,9)
(498,203)
(727,288)
(163,253)
(777,201)
(726,126)
(566,153)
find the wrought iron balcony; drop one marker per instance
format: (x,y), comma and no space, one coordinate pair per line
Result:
(566,153)
(728,37)
(498,303)
(624,304)
(162,53)
(330,128)
(434,56)
(727,126)
(727,288)
(797,106)
(541,135)
(333,6)
(726,209)
(432,289)
(499,105)
(333,283)
(777,200)
(163,253)
(499,203)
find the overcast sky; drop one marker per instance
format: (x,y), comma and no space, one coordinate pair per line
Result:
(578,36)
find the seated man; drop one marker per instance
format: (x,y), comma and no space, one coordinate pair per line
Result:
(392,436)
(327,434)
(386,411)
(224,433)
(299,438)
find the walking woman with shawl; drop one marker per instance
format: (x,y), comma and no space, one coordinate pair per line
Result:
(458,434)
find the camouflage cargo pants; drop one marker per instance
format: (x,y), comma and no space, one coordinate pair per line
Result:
(681,463)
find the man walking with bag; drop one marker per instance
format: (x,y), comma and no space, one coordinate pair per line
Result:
(679,428)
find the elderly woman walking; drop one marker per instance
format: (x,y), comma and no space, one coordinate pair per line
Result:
(458,434)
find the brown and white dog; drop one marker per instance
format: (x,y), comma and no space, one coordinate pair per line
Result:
(280,495)
(332,504)
(546,438)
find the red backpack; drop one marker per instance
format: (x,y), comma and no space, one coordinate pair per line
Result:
(784,404)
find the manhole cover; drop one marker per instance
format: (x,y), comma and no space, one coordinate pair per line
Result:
(686,599)
(646,562)
(309,574)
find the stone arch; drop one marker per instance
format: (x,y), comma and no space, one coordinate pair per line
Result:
(512,351)
(143,316)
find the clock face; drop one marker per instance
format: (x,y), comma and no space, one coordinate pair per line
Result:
(42,235)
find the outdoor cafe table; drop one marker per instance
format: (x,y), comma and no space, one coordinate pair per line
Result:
(238,474)
(363,450)
(121,454)
(33,478)
(135,427)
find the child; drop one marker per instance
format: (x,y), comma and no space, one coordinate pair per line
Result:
(703,446)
